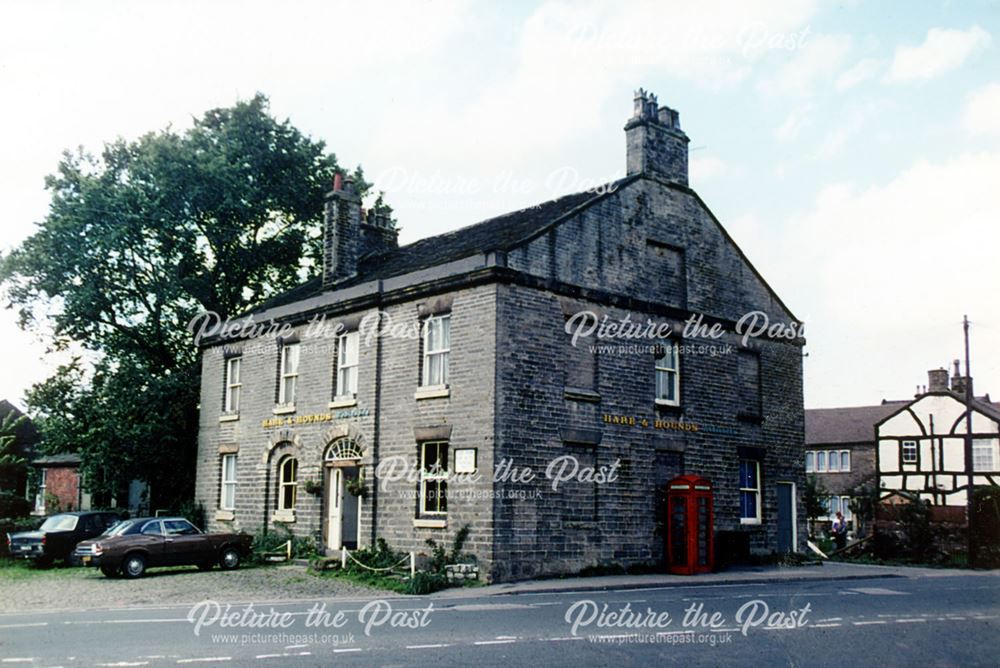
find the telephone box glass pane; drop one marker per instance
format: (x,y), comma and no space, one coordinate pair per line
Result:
(702,531)
(678,531)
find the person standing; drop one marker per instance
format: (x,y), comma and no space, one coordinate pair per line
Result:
(840,531)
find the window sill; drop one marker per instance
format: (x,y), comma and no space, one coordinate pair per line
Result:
(432,392)
(345,401)
(424,523)
(581,394)
(284,409)
(283,517)
(749,522)
(667,406)
(225,515)
(229,417)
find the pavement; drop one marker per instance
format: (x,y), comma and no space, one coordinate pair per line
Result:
(819,572)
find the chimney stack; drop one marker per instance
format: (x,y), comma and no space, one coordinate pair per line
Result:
(937,380)
(654,142)
(959,382)
(342,231)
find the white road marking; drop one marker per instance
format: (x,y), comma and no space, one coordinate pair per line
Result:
(19,660)
(126,621)
(910,621)
(21,626)
(125,663)
(879,621)
(826,626)
(295,646)
(493,642)
(878,591)
(207,659)
(831,619)
(436,646)
(560,639)
(347,649)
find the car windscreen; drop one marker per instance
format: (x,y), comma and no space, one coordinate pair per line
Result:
(59,523)
(122,528)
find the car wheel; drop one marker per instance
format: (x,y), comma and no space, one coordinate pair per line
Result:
(135,565)
(206,566)
(229,559)
(109,572)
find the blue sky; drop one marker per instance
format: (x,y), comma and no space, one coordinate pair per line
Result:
(852,149)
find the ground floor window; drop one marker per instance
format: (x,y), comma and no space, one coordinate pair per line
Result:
(228,499)
(837,504)
(434,478)
(749,491)
(288,472)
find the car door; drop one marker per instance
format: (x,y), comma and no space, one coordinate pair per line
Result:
(151,539)
(185,544)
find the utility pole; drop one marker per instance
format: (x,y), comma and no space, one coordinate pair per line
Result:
(969,468)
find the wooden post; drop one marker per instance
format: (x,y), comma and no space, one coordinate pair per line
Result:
(413,564)
(343,557)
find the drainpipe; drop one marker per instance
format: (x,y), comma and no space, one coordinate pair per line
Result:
(378,415)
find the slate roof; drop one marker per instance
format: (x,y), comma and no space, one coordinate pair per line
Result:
(503,232)
(67,459)
(855,424)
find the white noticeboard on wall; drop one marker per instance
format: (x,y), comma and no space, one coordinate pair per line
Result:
(465,460)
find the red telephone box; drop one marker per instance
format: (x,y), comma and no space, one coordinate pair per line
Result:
(689,525)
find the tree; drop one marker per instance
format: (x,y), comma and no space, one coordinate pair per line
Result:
(12,465)
(814,500)
(136,243)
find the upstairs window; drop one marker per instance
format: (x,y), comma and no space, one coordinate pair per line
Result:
(233,384)
(437,349)
(984,454)
(810,461)
(909,452)
(347,365)
(289,374)
(667,375)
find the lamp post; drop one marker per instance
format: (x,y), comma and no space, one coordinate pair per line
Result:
(969,468)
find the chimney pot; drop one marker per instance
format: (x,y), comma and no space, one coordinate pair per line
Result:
(937,380)
(338,181)
(655,144)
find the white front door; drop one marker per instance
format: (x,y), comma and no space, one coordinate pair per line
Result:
(335,508)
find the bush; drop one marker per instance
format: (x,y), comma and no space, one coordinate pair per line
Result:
(272,540)
(12,505)
(426,583)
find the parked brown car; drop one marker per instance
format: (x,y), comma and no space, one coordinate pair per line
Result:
(132,546)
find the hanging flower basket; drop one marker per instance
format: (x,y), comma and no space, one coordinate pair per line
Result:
(356,486)
(313,487)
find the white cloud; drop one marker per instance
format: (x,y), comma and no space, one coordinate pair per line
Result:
(884,274)
(861,71)
(819,58)
(982,111)
(797,120)
(706,167)
(943,50)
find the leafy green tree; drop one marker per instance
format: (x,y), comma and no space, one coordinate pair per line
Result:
(136,243)
(12,465)
(813,498)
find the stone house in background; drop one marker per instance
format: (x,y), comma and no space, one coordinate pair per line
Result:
(840,452)
(471,380)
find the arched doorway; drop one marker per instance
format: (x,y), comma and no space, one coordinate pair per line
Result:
(342,464)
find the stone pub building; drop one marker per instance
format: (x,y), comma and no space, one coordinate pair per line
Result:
(495,377)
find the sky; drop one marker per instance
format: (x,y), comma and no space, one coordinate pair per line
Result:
(852,149)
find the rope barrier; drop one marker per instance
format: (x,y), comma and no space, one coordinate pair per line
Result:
(377,570)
